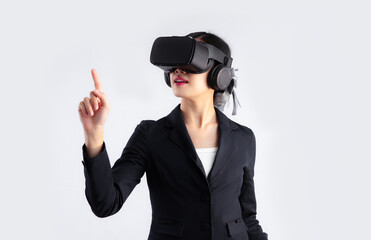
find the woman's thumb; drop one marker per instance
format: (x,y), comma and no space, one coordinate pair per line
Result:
(101,96)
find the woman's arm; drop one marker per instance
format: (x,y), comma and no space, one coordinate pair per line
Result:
(107,188)
(247,197)
(93,142)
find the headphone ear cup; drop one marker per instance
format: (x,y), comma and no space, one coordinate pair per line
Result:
(224,78)
(219,77)
(211,78)
(167,78)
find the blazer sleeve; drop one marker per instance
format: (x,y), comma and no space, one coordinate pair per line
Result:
(106,188)
(247,196)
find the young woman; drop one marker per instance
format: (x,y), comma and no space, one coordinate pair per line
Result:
(199,164)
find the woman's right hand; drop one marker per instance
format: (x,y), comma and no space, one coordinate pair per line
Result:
(94,111)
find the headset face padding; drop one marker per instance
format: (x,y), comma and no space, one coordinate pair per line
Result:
(167,78)
(218,78)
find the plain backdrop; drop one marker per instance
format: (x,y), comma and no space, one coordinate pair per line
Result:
(304,88)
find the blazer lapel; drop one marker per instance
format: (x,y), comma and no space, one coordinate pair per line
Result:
(227,143)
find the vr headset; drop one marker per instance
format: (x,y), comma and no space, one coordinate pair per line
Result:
(170,53)
(191,56)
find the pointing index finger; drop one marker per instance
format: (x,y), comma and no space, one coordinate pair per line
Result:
(96,80)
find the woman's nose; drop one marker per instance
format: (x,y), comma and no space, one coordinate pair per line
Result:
(178,70)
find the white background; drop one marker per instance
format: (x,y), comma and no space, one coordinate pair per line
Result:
(304,87)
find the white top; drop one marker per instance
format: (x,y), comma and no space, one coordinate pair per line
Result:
(207,157)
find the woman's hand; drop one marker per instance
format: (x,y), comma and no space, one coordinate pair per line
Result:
(94,111)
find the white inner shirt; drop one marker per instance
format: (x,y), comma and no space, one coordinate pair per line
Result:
(207,157)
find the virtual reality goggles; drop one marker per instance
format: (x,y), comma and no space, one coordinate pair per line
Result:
(187,54)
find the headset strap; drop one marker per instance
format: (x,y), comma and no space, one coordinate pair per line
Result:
(218,55)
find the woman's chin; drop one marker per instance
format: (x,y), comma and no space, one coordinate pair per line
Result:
(179,93)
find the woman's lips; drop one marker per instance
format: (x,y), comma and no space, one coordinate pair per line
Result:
(180,83)
(178,79)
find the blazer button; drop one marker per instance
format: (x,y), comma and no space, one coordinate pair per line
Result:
(205,226)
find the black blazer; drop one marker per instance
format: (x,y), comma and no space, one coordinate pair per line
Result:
(185,203)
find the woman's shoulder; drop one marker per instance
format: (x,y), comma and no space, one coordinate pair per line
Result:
(245,130)
(243,127)
(150,124)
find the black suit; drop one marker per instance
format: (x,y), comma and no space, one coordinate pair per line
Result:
(185,203)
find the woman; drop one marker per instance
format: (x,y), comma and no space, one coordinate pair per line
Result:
(199,164)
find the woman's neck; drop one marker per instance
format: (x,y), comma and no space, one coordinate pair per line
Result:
(198,114)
